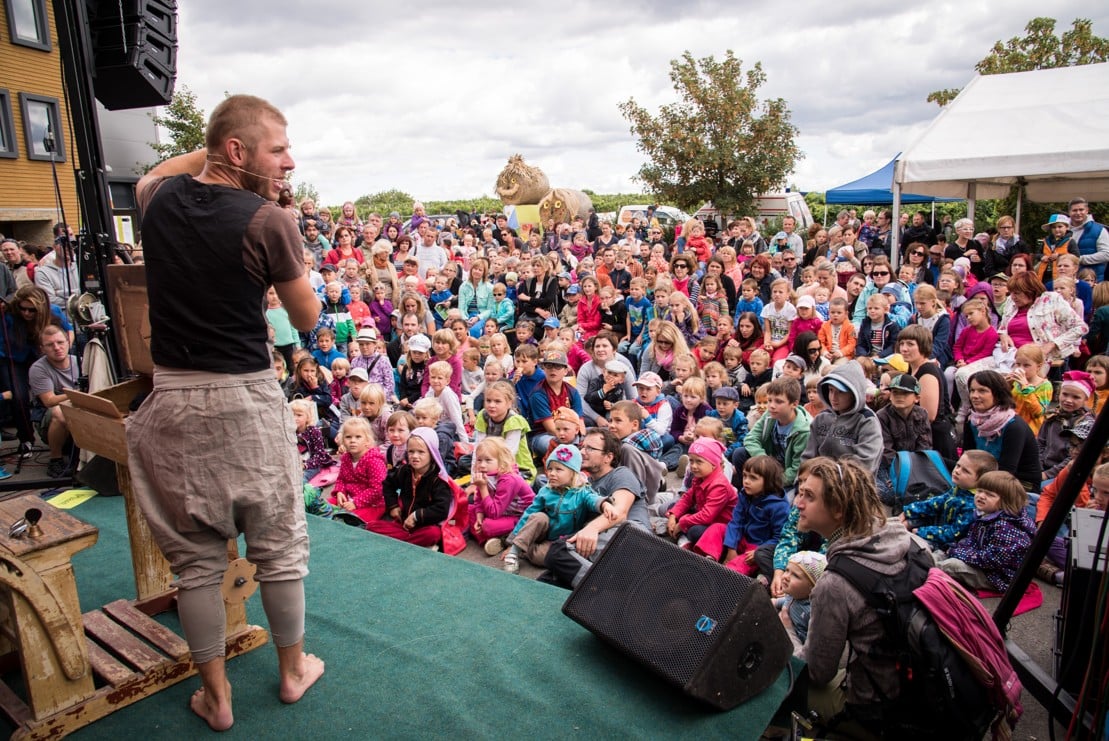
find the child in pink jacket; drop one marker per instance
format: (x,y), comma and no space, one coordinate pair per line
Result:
(710,498)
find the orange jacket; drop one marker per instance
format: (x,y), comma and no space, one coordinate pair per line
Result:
(847,338)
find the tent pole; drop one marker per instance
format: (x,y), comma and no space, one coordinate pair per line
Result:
(972,196)
(895,227)
(1020,201)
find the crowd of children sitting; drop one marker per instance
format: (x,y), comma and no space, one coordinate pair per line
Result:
(727,359)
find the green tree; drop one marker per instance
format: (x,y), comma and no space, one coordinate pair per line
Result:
(384,202)
(183,122)
(718,143)
(305,190)
(1039,48)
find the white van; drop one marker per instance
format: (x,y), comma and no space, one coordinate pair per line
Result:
(667,216)
(771,206)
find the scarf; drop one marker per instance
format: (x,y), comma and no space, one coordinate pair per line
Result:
(990,423)
(664,359)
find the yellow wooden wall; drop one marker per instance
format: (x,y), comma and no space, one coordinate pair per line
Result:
(25,183)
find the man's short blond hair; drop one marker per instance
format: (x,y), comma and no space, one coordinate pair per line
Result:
(238,117)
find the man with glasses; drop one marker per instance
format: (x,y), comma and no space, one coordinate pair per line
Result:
(601,457)
(1092,238)
(791,271)
(551,394)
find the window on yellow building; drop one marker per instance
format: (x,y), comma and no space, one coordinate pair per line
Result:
(27,23)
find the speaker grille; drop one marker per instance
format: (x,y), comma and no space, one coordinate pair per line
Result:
(664,606)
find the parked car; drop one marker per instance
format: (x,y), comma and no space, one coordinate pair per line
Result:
(668,216)
(772,207)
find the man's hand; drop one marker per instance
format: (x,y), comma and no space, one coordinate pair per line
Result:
(585,542)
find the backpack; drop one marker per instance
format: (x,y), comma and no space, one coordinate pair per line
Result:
(916,475)
(939,696)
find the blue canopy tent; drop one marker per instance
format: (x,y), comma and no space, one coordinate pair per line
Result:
(875,189)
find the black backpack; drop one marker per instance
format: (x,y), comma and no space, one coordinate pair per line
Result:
(939,697)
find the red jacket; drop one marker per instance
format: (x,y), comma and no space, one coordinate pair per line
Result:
(589,316)
(707,501)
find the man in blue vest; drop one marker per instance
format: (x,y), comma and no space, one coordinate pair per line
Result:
(1092,238)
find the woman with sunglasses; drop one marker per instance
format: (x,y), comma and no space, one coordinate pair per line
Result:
(667,345)
(682,270)
(916,256)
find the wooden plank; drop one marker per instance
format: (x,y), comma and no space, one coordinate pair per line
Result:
(93,403)
(159,635)
(123,644)
(106,666)
(13,707)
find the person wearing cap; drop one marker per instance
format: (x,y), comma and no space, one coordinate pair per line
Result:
(376,362)
(1073,397)
(356,383)
(610,391)
(905,426)
(657,411)
(594,379)
(552,393)
(568,315)
(559,510)
(847,427)
(602,458)
(1058,241)
(410,375)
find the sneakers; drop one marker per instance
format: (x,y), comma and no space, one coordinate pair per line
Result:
(56,468)
(493,546)
(512,563)
(683,463)
(5,473)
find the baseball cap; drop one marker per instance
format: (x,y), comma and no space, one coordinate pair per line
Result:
(419,343)
(615,366)
(554,357)
(838,383)
(1081,430)
(726,392)
(796,360)
(895,362)
(565,275)
(905,382)
(650,378)
(552,322)
(359,373)
(327,266)
(574,289)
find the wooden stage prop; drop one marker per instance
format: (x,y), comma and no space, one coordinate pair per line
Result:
(76,668)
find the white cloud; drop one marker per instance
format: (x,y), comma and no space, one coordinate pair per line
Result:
(432,99)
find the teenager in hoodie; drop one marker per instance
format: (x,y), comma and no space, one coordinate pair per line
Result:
(847,427)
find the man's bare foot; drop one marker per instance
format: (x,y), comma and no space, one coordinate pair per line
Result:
(218,716)
(296,683)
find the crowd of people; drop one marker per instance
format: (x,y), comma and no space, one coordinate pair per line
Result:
(549,379)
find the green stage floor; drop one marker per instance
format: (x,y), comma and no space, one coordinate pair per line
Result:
(418,645)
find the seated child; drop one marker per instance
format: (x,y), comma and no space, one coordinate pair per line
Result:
(361,472)
(561,508)
(310,444)
(625,421)
(658,414)
(709,498)
(726,401)
(500,495)
(438,387)
(905,426)
(716,378)
(428,412)
(760,513)
(611,391)
(373,409)
(1031,391)
(326,353)
(1073,397)
(472,374)
(942,519)
(693,407)
(814,402)
(340,369)
(349,405)
(803,570)
(418,494)
(996,541)
(837,335)
(397,430)
(848,426)
(761,374)
(498,418)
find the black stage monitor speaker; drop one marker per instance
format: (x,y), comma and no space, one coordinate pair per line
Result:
(705,628)
(134,45)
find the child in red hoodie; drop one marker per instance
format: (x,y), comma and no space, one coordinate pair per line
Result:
(711,497)
(589,308)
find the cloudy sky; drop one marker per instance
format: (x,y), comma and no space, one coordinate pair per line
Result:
(433,99)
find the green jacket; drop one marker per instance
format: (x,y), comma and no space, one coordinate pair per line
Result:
(760,441)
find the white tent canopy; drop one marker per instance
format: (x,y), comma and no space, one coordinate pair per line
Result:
(1047,129)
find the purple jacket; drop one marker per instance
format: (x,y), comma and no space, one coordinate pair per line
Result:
(509,496)
(381,312)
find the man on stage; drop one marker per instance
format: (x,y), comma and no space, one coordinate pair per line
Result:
(213,448)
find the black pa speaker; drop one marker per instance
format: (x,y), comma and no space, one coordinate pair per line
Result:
(134,46)
(706,629)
